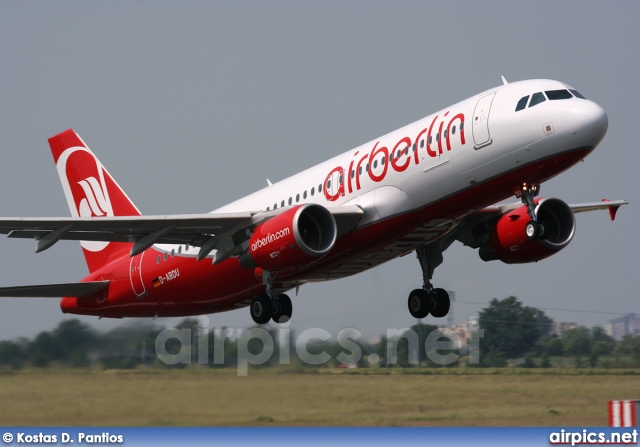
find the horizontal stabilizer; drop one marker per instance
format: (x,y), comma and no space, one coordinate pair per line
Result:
(77,289)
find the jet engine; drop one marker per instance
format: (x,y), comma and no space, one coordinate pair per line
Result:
(508,241)
(293,239)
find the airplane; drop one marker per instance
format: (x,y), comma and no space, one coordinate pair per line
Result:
(417,189)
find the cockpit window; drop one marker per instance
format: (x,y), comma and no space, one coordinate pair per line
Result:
(554,95)
(536,99)
(577,94)
(522,103)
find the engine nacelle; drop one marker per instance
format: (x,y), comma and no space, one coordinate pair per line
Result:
(509,243)
(293,239)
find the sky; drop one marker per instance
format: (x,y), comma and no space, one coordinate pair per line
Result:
(193,104)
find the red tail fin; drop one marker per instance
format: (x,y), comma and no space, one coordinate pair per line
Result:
(91,192)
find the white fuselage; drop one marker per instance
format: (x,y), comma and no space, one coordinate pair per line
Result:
(444,167)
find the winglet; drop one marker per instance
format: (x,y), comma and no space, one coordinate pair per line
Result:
(612,209)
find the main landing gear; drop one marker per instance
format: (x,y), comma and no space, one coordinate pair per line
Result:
(428,300)
(534,229)
(271,306)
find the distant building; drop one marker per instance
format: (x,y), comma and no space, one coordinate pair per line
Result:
(626,325)
(560,328)
(463,330)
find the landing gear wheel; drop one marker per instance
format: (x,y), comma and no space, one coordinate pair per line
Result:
(281,309)
(261,309)
(440,303)
(532,230)
(542,230)
(418,303)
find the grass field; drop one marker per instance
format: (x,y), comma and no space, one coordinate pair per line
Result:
(269,397)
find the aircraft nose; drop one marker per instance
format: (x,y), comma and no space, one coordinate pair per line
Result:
(588,121)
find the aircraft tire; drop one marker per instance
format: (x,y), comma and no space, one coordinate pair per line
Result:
(532,230)
(418,303)
(260,309)
(440,303)
(282,309)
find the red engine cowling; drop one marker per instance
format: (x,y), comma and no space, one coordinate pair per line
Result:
(293,239)
(509,243)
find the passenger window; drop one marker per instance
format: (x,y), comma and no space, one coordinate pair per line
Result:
(422,142)
(313,191)
(320,189)
(577,94)
(282,204)
(384,160)
(275,206)
(555,95)
(297,198)
(536,99)
(375,164)
(290,200)
(521,104)
(304,195)
(453,130)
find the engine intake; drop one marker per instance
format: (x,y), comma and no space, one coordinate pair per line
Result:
(509,244)
(292,239)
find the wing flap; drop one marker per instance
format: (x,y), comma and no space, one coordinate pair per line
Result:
(77,289)
(193,229)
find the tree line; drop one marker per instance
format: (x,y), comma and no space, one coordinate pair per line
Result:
(510,334)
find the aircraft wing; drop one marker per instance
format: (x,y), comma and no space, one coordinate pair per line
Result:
(593,206)
(499,210)
(77,289)
(217,231)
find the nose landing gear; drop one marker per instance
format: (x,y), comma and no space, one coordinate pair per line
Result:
(527,191)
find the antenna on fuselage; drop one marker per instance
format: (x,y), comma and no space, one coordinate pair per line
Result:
(504,81)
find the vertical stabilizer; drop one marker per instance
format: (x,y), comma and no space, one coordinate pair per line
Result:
(91,192)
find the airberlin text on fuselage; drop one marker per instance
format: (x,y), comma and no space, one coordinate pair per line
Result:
(270,238)
(399,158)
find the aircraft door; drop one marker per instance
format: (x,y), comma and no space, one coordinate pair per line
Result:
(135,275)
(481,135)
(334,184)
